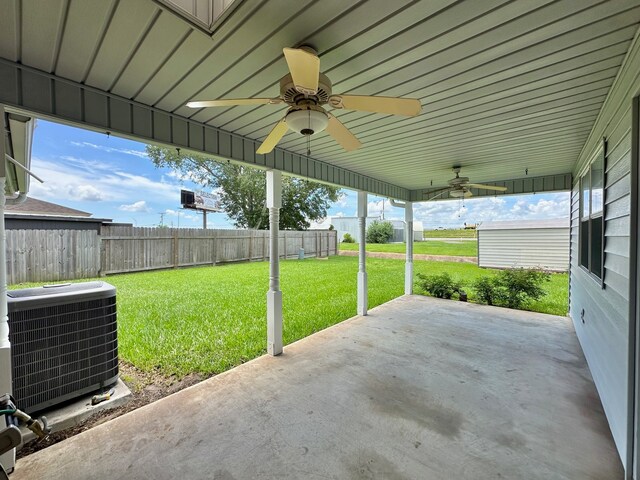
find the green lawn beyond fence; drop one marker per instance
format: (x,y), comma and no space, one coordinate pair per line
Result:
(464,248)
(450,233)
(210,319)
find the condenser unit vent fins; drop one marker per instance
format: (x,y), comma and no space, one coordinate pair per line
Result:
(64,342)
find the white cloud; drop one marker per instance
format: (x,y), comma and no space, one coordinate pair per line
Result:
(126,151)
(343,201)
(140,206)
(93,182)
(88,193)
(182,215)
(454,213)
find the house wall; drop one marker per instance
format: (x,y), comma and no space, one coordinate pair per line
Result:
(546,248)
(604,332)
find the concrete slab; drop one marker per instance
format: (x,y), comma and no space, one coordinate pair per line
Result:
(73,413)
(421,388)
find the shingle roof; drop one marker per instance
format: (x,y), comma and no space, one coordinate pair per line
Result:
(33,206)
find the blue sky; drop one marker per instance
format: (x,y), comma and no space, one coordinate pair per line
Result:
(111,177)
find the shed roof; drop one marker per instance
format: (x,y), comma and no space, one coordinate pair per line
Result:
(33,206)
(525,224)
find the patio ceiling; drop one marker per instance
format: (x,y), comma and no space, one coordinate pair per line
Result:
(505,85)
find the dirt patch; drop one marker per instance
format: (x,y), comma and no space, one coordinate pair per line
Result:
(146,387)
(416,256)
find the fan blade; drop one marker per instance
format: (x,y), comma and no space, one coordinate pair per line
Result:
(305,69)
(342,135)
(230,102)
(274,137)
(391,105)
(486,187)
(439,191)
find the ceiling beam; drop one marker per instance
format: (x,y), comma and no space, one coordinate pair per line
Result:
(47,96)
(542,184)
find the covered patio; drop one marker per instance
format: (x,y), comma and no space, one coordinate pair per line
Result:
(520,96)
(419,388)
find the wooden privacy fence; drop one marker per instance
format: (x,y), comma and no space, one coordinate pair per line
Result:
(50,255)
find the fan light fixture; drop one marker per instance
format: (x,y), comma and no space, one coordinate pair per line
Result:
(305,89)
(308,120)
(457,193)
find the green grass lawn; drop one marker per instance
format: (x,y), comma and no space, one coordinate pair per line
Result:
(450,233)
(467,248)
(209,319)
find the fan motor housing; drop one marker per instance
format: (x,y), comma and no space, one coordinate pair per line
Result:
(292,96)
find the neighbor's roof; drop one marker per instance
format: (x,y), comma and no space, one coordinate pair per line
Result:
(525,224)
(33,206)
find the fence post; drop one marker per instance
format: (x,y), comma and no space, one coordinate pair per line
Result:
(175,248)
(250,245)
(284,233)
(215,248)
(102,248)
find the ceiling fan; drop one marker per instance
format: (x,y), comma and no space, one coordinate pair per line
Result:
(305,90)
(459,187)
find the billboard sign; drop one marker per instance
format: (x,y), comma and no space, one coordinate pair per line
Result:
(200,200)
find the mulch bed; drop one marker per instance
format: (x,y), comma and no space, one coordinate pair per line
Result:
(145,388)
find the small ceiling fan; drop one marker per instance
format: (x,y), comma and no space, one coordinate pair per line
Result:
(305,90)
(459,187)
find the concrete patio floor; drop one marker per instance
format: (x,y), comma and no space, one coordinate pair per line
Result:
(421,388)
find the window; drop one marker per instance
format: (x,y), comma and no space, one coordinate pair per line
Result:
(591,216)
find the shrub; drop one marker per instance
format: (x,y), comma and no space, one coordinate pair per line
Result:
(379,232)
(440,286)
(485,290)
(522,285)
(348,239)
(513,288)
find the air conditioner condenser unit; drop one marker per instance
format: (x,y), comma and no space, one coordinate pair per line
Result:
(64,342)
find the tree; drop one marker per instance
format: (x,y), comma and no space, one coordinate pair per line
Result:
(242,190)
(379,232)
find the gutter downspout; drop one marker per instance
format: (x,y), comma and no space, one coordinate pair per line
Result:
(19,199)
(8,459)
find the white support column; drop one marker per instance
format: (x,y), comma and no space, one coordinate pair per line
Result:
(363,296)
(274,295)
(408,236)
(8,459)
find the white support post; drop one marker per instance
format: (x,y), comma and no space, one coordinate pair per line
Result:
(274,295)
(8,459)
(408,235)
(363,296)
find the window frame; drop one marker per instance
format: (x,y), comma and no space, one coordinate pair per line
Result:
(588,219)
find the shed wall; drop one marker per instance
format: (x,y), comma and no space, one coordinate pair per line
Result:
(604,333)
(546,248)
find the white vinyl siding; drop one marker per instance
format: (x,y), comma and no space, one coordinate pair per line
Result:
(604,333)
(546,248)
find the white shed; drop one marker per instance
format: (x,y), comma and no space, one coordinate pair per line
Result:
(529,244)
